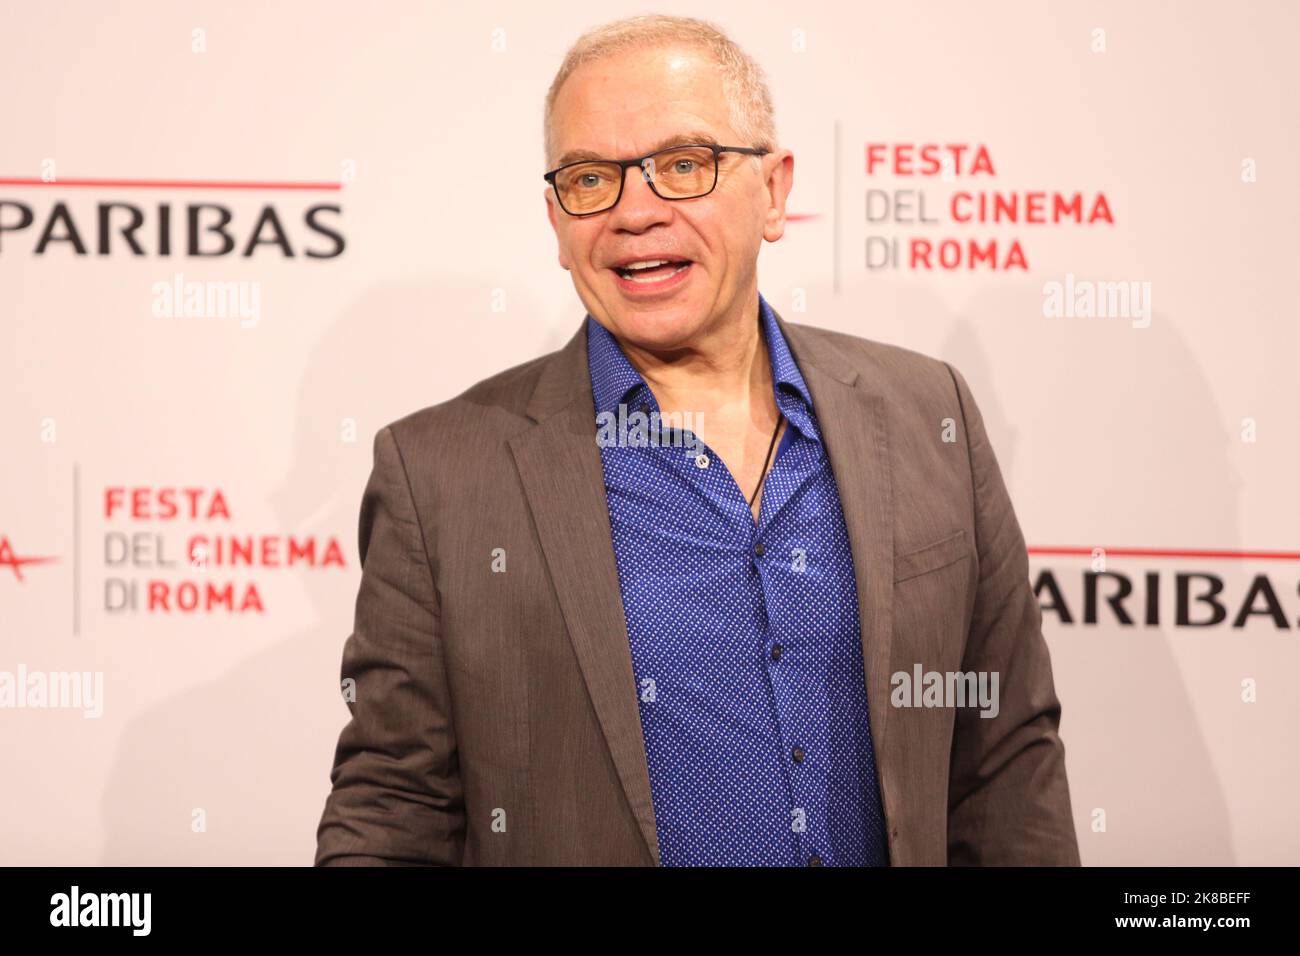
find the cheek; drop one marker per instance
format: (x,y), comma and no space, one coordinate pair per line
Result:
(578,249)
(727,231)
(570,252)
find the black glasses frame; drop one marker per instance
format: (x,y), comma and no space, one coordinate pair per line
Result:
(625,164)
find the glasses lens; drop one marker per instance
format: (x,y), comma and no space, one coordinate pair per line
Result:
(588,187)
(683,172)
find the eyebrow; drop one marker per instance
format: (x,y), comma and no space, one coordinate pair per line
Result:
(680,139)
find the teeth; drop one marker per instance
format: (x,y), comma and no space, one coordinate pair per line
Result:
(657,278)
(645,264)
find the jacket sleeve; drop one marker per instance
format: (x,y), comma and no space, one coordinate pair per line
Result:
(1008,798)
(396,798)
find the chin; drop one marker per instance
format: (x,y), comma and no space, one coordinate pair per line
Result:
(661,327)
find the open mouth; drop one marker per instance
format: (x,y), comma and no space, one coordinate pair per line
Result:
(649,271)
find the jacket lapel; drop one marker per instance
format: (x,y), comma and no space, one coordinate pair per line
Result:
(560,467)
(851,417)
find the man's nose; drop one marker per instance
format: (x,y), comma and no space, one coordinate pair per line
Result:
(639,206)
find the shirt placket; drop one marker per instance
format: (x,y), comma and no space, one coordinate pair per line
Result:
(790,660)
(802,757)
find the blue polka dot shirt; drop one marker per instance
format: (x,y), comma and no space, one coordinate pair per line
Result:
(745,638)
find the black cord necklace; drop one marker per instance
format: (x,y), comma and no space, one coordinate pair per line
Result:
(770,446)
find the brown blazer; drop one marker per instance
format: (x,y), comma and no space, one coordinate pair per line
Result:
(495,718)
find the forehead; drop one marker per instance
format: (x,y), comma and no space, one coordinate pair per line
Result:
(631,103)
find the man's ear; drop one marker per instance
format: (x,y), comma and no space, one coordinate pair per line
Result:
(553,215)
(780,180)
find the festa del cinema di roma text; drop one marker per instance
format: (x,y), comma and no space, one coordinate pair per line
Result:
(203,554)
(954,163)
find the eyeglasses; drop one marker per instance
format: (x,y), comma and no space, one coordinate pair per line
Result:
(678,172)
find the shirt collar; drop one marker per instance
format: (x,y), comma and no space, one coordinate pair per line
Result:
(614,381)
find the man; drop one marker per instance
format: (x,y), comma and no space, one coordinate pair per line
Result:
(659,597)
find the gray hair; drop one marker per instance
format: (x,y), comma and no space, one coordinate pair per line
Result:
(743,79)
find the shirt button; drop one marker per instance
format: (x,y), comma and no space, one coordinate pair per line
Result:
(814,860)
(776,652)
(797,754)
(701,461)
(758,549)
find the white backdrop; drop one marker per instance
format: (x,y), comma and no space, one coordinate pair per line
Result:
(1177,430)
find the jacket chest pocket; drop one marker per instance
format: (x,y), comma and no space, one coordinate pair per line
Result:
(931,557)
